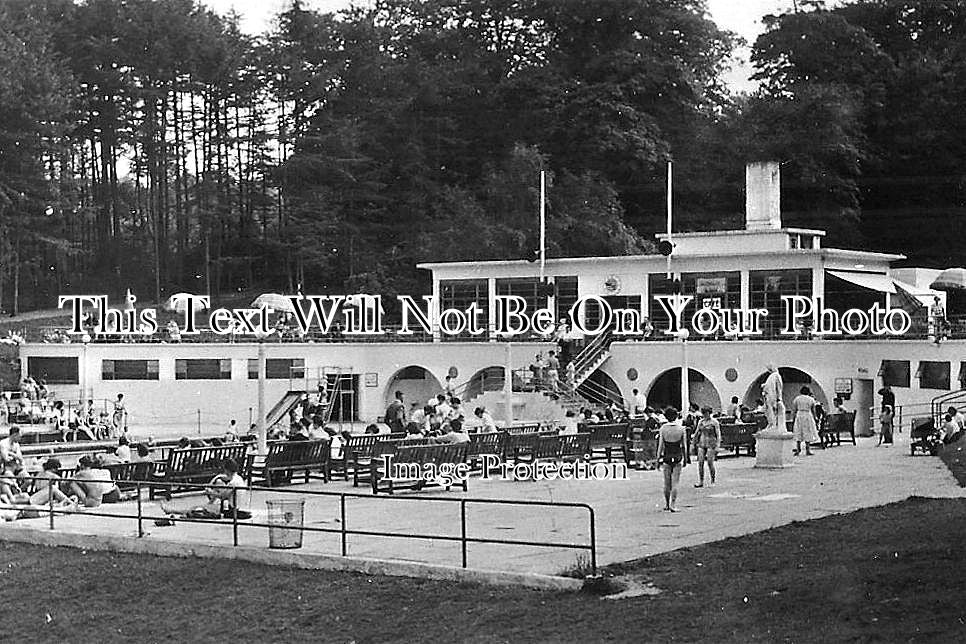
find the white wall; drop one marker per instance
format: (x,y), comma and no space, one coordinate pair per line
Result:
(177,402)
(824,360)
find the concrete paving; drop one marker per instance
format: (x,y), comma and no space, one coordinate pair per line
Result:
(629,518)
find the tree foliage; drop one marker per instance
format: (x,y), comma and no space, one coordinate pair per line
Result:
(149,144)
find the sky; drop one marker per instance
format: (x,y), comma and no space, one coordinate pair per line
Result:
(743,17)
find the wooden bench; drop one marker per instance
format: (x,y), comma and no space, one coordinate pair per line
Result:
(644,448)
(195,466)
(290,457)
(556,449)
(517,446)
(415,458)
(607,438)
(484,444)
(362,460)
(838,424)
(361,445)
(126,475)
(737,435)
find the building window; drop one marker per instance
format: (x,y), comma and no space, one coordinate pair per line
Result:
(278,368)
(525,287)
(54,371)
(658,284)
(933,375)
(767,289)
(459,295)
(895,373)
(202,369)
(129,370)
(592,312)
(566,288)
(711,290)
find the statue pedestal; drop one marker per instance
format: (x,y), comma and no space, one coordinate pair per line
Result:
(773,448)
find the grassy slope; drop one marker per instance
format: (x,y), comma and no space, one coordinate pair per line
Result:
(889,573)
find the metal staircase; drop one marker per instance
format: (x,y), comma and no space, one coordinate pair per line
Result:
(591,357)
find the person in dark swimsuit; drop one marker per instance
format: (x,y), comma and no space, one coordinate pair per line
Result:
(672,450)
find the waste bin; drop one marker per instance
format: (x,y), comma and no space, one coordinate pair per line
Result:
(285,520)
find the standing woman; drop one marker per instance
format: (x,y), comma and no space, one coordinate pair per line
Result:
(707,437)
(120,416)
(886,418)
(804,429)
(672,449)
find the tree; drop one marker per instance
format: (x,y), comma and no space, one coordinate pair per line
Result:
(33,113)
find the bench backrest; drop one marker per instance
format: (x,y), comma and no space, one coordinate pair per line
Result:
(438,454)
(140,471)
(486,443)
(735,432)
(575,445)
(523,441)
(841,422)
(202,460)
(314,452)
(531,428)
(360,445)
(610,434)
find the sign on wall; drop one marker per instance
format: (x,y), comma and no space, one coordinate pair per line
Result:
(843,386)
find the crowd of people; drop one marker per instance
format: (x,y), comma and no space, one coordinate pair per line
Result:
(36,404)
(89,486)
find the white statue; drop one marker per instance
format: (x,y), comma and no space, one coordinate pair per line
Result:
(774,405)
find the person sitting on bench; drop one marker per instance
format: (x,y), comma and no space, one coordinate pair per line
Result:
(93,486)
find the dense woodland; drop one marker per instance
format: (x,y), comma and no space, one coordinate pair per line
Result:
(151,145)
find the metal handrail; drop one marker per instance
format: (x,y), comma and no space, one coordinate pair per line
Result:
(343,530)
(592,351)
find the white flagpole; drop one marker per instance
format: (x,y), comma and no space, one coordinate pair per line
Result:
(543,223)
(669,216)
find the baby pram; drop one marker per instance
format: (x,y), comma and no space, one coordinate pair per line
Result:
(925,437)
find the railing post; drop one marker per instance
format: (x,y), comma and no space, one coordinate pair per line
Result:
(50,501)
(345,544)
(463,529)
(593,541)
(140,514)
(234,515)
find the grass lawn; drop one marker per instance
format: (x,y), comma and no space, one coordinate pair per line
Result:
(882,574)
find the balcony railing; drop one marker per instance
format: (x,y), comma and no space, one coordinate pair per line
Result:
(953,329)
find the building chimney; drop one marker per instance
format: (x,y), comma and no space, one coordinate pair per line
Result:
(763,196)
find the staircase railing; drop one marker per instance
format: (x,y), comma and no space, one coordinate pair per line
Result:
(585,361)
(588,392)
(939,404)
(492,379)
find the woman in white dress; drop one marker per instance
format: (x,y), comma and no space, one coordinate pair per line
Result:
(804,429)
